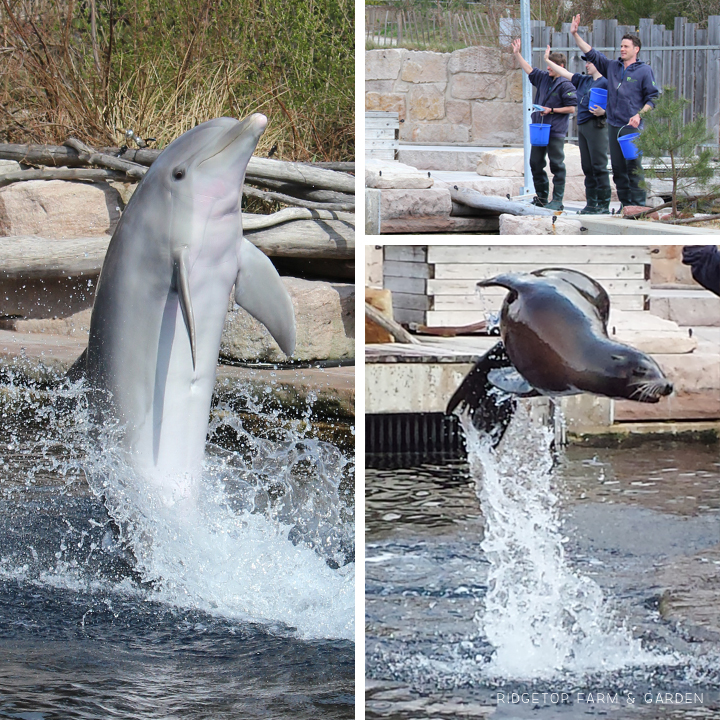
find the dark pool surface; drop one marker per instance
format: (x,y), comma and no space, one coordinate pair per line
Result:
(82,636)
(636,521)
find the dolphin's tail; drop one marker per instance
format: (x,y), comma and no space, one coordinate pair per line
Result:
(490,408)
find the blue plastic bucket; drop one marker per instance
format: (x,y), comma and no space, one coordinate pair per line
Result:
(540,133)
(627,144)
(598,97)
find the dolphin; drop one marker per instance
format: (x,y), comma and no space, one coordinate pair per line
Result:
(162,298)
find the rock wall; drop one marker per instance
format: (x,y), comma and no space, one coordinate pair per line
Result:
(473,95)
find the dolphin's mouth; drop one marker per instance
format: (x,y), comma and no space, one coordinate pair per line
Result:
(650,391)
(256,122)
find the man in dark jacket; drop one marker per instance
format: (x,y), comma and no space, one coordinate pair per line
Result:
(704,262)
(558,98)
(631,91)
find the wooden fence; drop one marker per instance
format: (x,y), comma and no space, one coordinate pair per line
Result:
(686,57)
(442,30)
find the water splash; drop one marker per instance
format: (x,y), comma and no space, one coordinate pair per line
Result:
(269,537)
(543,619)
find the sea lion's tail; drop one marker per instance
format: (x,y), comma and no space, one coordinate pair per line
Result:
(490,408)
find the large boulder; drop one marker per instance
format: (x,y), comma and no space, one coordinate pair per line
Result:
(59,209)
(406,203)
(325,316)
(538,225)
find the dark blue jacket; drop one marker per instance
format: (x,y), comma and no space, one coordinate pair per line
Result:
(584,84)
(629,88)
(704,261)
(554,92)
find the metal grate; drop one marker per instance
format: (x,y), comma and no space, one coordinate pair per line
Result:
(424,435)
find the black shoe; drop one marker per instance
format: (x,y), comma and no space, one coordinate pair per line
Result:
(539,202)
(588,210)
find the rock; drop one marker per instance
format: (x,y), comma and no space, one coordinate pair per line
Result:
(325,316)
(534,225)
(424,67)
(457,112)
(504,162)
(496,186)
(630,211)
(77,325)
(487,130)
(432,133)
(373,266)
(125,190)
(9,166)
(476,60)
(406,203)
(426,102)
(59,209)
(392,102)
(381,300)
(383,64)
(372,211)
(389,174)
(470,86)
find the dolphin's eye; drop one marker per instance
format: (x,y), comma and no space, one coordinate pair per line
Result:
(178,173)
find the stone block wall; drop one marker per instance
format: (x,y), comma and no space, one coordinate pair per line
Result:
(472,96)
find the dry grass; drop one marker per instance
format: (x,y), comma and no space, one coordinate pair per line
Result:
(196,60)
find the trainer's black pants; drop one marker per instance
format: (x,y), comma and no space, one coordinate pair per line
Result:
(627,174)
(593,142)
(555,151)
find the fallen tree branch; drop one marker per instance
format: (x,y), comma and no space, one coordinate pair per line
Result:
(93,157)
(329,239)
(396,330)
(88,174)
(264,168)
(687,221)
(689,198)
(301,191)
(492,204)
(270,196)
(251,221)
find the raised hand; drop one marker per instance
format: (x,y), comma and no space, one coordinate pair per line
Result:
(547,53)
(516,46)
(575,24)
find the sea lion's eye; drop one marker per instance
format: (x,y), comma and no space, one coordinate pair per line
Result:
(178,173)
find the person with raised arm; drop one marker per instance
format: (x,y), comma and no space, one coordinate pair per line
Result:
(631,92)
(592,136)
(558,99)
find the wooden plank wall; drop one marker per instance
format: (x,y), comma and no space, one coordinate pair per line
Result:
(435,285)
(694,73)
(381,134)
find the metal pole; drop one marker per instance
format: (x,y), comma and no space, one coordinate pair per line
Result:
(529,188)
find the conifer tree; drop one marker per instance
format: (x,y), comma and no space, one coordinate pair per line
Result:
(671,147)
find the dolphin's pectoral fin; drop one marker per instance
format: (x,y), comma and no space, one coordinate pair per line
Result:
(78,369)
(510,380)
(260,291)
(182,285)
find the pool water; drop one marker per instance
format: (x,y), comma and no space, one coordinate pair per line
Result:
(244,612)
(639,524)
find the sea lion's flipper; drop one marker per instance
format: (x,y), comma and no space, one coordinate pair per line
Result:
(510,380)
(260,291)
(182,286)
(78,370)
(490,408)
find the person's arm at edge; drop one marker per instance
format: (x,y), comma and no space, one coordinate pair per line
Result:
(524,64)
(559,69)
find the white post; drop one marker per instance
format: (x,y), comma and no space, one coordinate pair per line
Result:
(525,37)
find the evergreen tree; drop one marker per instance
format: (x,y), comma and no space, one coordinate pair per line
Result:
(671,147)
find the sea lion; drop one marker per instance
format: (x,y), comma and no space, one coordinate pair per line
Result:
(162,298)
(553,325)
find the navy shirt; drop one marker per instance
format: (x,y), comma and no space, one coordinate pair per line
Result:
(629,88)
(552,92)
(584,84)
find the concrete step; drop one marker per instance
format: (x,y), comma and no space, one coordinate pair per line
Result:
(688,307)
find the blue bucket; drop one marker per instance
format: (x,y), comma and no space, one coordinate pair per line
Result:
(627,144)
(540,133)
(598,97)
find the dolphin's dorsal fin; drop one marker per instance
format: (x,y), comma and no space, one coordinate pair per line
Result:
(510,380)
(182,285)
(260,291)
